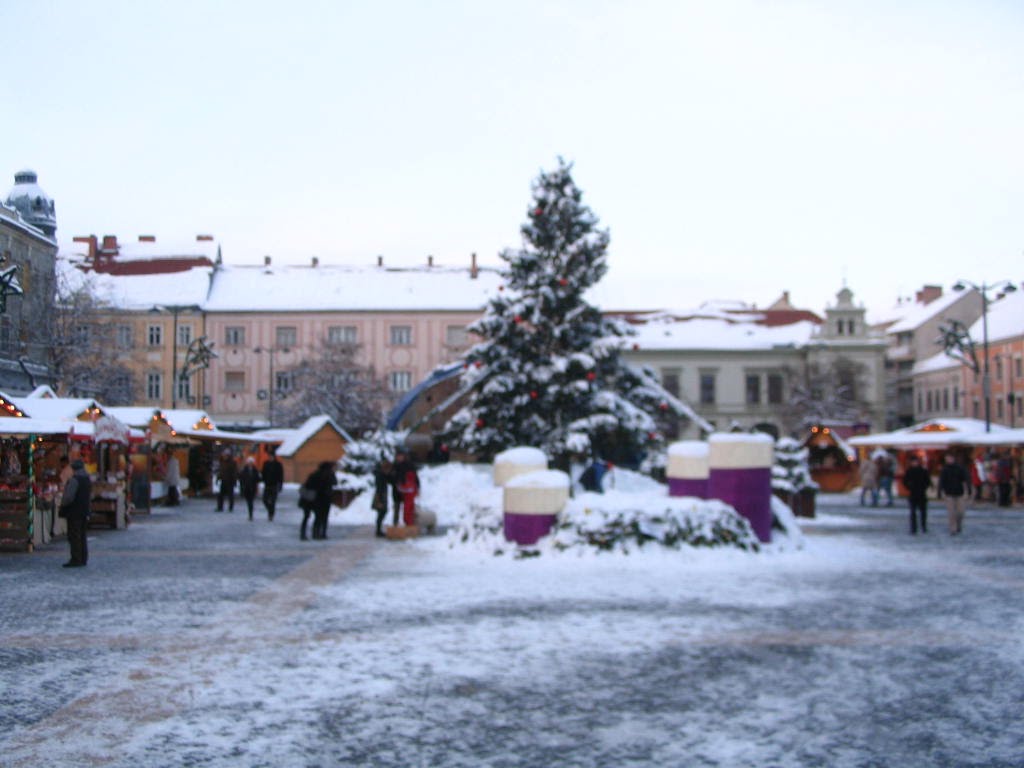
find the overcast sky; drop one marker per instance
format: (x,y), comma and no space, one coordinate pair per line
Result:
(734,149)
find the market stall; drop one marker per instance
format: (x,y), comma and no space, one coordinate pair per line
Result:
(832,460)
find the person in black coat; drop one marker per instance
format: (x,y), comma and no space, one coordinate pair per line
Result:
(918,481)
(319,486)
(75,506)
(953,482)
(381,479)
(273,482)
(249,483)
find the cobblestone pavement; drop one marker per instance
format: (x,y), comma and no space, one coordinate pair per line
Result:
(197,638)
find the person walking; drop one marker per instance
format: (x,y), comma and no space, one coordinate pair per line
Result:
(322,482)
(249,483)
(381,478)
(227,475)
(273,482)
(75,506)
(1004,476)
(953,482)
(869,482)
(918,481)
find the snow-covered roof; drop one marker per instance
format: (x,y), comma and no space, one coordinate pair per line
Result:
(133,416)
(939,362)
(934,433)
(664,332)
(57,408)
(1005,318)
(333,287)
(293,439)
(145,250)
(911,315)
(142,292)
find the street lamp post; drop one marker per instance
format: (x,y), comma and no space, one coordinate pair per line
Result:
(986,382)
(270,391)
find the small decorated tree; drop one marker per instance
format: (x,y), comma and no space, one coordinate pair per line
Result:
(791,476)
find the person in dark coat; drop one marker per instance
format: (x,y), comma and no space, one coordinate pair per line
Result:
(381,478)
(953,482)
(273,482)
(319,485)
(249,483)
(227,474)
(75,506)
(918,481)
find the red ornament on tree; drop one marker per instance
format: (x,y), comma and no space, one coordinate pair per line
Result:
(663,406)
(652,435)
(563,282)
(591,376)
(533,394)
(478,363)
(538,211)
(517,319)
(479,423)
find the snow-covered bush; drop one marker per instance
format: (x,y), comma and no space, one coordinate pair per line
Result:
(362,456)
(790,471)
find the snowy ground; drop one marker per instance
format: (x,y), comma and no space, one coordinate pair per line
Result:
(196,638)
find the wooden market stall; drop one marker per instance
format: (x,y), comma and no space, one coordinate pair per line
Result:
(302,449)
(832,460)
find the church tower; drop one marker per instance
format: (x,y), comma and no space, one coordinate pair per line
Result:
(844,320)
(34,205)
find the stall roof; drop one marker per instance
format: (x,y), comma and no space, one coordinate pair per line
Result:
(937,433)
(292,439)
(55,407)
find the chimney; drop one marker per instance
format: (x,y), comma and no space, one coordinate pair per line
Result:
(147,238)
(473,271)
(315,262)
(109,245)
(380,261)
(430,261)
(928,294)
(91,240)
(266,261)
(204,238)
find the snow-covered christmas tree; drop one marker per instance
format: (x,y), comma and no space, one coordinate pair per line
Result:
(791,475)
(548,372)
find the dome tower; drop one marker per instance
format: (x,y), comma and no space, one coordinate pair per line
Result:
(34,205)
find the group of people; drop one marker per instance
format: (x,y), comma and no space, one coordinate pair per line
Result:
(401,478)
(992,478)
(248,480)
(953,485)
(876,477)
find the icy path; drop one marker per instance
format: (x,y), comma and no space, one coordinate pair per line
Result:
(204,640)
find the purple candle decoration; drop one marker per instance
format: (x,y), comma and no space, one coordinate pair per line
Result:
(532,502)
(687,469)
(740,474)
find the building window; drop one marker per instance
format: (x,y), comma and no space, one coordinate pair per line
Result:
(977,410)
(670,380)
(1018,365)
(154,386)
(234,336)
(185,388)
(1020,404)
(774,388)
(234,381)
(401,335)
(400,381)
(707,388)
(285,337)
(851,325)
(155,335)
(284,381)
(455,336)
(956,400)
(920,407)
(5,335)
(839,327)
(999,367)
(928,400)
(123,336)
(753,389)
(184,335)
(341,334)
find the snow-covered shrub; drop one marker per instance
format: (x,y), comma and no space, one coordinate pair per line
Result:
(362,456)
(790,470)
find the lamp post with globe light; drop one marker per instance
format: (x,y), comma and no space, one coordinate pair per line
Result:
(1004,286)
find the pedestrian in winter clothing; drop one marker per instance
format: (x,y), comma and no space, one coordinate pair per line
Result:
(977,477)
(249,483)
(227,474)
(172,476)
(918,481)
(75,506)
(883,463)
(869,482)
(953,482)
(381,478)
(273,482)
(1004,474)
(405,484)
(317,499)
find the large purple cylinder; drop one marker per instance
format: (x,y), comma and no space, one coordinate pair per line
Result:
(740,475)
(527,529)
(688,486)
(532,502)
